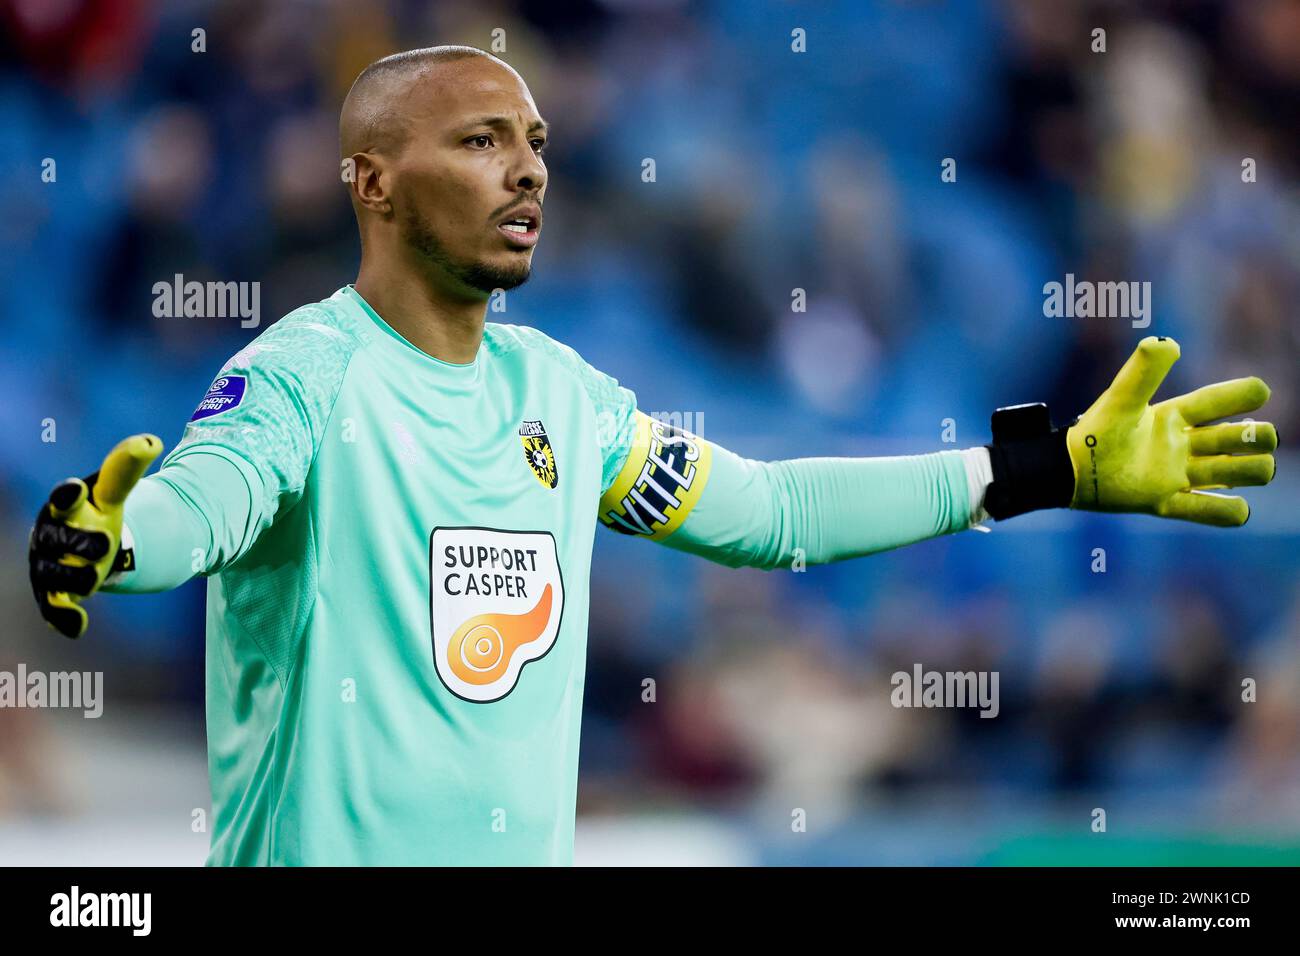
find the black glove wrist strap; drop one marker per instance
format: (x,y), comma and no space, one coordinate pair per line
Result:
(124,560)
(1031,463)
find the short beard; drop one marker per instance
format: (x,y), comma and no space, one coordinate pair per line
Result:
(479,276)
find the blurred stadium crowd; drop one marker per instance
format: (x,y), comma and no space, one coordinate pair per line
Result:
(774,171)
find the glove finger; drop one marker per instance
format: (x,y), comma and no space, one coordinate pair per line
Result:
(1146,368)
(54,539)
(1222,511)
(1233,438)
(124,467)
(63,614)
(67,497)
(1236,397)
(47,575)
(1230,471)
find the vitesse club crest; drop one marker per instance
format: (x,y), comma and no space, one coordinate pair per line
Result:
(539,454)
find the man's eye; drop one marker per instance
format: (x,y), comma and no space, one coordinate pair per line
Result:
(482,141)
(539,146)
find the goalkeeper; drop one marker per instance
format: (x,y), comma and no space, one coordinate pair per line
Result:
(393,502)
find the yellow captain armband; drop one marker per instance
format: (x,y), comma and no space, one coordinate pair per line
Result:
(662,479)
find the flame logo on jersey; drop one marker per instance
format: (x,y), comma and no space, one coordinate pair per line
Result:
(481,649)
(539,454)
(496,601)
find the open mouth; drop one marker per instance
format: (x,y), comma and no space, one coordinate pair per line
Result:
(521,231)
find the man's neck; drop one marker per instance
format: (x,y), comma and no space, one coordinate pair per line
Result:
(441,324)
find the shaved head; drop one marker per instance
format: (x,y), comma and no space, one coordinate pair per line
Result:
(442,145)
(372,118)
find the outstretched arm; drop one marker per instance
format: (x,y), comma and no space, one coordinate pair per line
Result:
(1122,455)
(199,512)
(243,460)
(699,497)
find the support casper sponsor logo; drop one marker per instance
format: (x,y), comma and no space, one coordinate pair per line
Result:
(495,604)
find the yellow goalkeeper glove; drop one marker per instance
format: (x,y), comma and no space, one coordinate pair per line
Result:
(1127,455)
(1130,455)
(76,541)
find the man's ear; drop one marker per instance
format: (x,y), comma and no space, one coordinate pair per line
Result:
(370,181)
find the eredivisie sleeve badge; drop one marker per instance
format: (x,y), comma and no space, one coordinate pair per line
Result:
(539,454)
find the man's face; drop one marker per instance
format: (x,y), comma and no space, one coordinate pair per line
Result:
(468,185)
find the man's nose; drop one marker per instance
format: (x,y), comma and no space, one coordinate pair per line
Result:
(528,173)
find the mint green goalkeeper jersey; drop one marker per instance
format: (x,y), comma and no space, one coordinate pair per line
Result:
(398,550)
(395,665)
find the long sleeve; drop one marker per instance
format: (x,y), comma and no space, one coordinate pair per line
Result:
(698,497)
(192,517)
(765,514)
(244,457)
